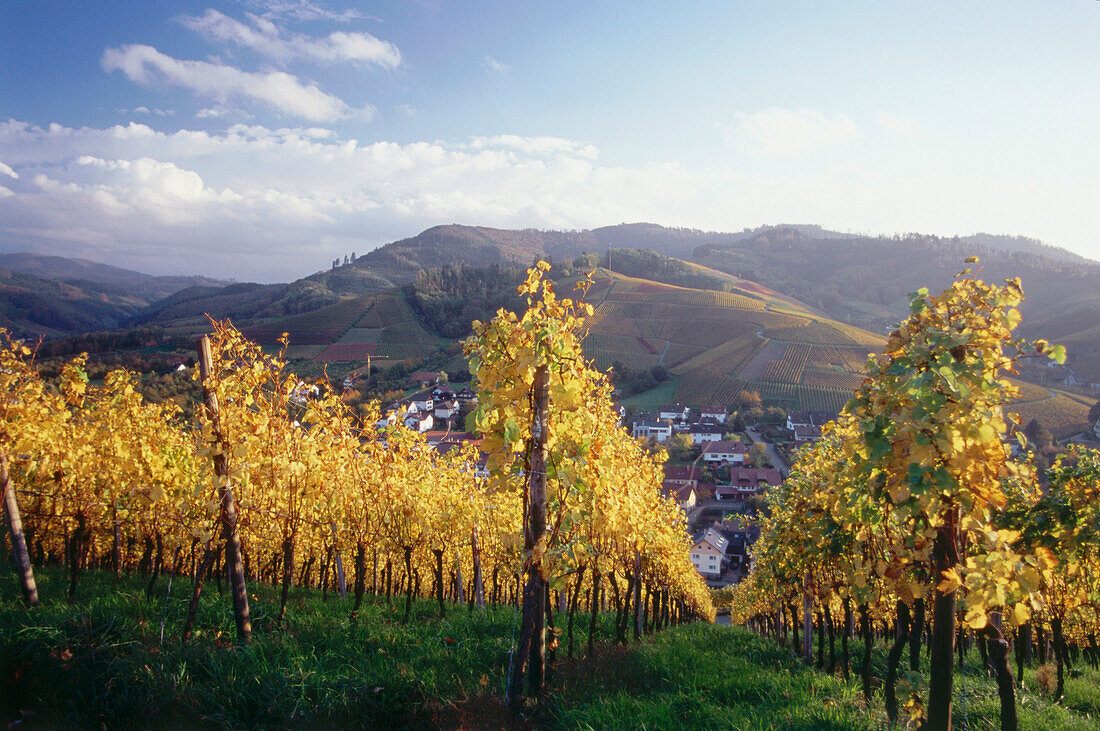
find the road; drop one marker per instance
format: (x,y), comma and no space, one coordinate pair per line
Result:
(772,454)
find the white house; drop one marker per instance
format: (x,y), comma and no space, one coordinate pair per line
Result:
(684,495)
(746,481)
(674,412)
(708,554)
(302,392)
(388,419)
(729,452)
(1096,429)
(423,401)
(446,409)
(421,422)
(807,433)
(647,427)
(809,418)
(714,413)
(443,392)
(703,432)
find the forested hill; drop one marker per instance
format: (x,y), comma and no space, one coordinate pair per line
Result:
(865,281)
(83,272)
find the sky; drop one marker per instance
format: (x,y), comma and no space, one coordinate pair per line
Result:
(258,140)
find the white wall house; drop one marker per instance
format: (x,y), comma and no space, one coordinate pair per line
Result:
(646,427)
(729,452)
(708,555)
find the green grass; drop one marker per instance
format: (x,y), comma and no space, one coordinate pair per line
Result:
(654,398)
(705,677)
(99,662)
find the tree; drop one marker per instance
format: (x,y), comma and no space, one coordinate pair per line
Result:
(746,399)
(681,447)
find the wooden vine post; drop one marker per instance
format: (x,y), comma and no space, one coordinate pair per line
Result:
(18,540)
(228,513)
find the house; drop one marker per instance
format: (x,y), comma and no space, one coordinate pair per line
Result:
(740,537)
(423,401)
(1096,429)
(388,419)
(747,481)
(708,553)
(682,474)
(446,409)
(434,436)
(648,427)
(302,392)
(420,422)
(466,395)
(442,393)
(684,495)
(730,452)
(704,432)
(713,412)
(674,412)
(807,433)
(424,379)
(809,418)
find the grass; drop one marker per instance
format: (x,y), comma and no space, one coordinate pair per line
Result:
(705,677)
(651,400)
(99,662)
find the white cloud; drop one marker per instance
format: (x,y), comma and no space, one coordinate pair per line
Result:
(268,39)
(280,91)
(536,145)
(788,133)
(496,67)
(5,170)
(6,192)
(907,127)
(304,10)
(253,202)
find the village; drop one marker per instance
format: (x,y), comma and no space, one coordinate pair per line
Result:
(717,475)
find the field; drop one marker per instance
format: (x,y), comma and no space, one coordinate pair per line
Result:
(1062,415)
(101,662)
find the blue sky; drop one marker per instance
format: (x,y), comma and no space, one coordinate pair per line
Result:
(260,139)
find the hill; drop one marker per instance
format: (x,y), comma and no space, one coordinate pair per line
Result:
(865,281)
(34,306)
(788,311)
(714,340)
(83,271)
(55,296)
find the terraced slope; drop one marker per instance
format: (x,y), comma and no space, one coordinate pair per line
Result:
(719,343)
(379,326)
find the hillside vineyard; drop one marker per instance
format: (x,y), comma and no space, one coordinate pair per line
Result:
(907,513)
(103,479)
